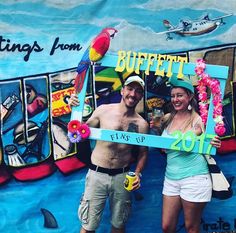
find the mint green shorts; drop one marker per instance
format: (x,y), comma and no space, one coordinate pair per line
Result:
(98,188)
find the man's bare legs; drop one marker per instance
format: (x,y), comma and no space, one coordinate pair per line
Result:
(113,230)
(82,230)
(116,230)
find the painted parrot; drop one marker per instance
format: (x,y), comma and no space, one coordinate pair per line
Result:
(96,50)
(101,43)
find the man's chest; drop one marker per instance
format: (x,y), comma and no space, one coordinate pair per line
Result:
(121,124)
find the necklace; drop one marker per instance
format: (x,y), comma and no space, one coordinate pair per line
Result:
(184,123)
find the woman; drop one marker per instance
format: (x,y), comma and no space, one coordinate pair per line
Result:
(187,183)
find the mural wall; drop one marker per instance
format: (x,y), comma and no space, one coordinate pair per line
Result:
(42,173)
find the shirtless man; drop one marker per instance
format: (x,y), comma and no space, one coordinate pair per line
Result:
(110,161)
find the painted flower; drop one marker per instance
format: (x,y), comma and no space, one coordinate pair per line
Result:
(84,131)
(74,136)
(73,126)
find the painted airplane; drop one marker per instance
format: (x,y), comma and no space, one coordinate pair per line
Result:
(193,27)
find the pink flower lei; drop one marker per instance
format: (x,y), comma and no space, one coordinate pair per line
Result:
(204,81)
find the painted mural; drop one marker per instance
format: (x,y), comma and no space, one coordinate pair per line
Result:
(44,48)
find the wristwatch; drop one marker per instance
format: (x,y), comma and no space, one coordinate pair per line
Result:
(139,174)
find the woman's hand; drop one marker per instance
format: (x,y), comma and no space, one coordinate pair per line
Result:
(216,142)
(73,100)
(156,128)
(151,123)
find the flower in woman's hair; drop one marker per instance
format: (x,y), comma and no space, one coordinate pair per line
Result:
(74,136)
(84,131)
(73,126)
(220,129)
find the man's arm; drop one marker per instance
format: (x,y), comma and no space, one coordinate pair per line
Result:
(93,121)
(141,159)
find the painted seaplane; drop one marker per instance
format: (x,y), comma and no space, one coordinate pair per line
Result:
(193,27)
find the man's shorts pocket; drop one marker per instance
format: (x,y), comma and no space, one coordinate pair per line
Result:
(121,214)
(83,210)
(127,211)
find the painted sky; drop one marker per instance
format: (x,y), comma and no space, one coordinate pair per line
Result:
(138,22)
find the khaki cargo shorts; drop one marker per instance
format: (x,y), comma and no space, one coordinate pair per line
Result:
(98,188)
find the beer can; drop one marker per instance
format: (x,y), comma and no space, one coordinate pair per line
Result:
(129,180)
(157,115)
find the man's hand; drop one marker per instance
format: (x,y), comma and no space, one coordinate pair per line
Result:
(73,100)
(136,183)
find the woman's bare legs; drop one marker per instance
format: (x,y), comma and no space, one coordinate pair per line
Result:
(170,213)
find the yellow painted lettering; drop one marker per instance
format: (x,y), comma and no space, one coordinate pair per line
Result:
(160,60)
(181,61)
(130,68)
(151,58)
(170,59)
(120,66)
(140,61)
